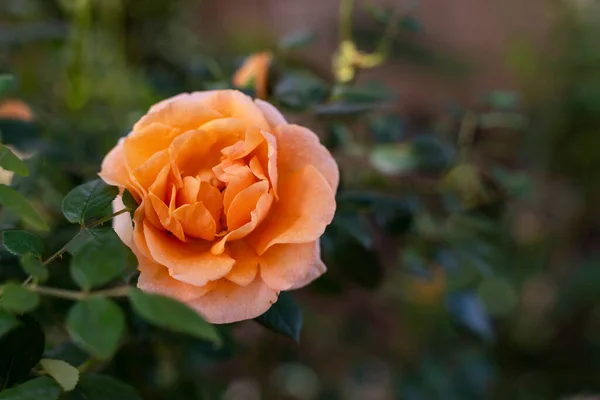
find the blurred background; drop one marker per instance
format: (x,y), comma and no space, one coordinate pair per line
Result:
(463,259)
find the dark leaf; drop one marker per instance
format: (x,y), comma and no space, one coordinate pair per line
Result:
(22,242)
(283,317)
(21,349)
(296,40)
(17,299)
(40,388)
(300,89)
(34,267)
(97,326)
(173,315)
(100,259)
(102,387)
(9,161)
(7,83)
(7,322)
(17,204)
(88,201)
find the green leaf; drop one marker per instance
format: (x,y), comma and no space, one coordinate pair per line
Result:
(22,242)
(300,89)
(498,296)
(16,203)
(173,315)
(9,161)
(129,200)
(283,317)
(369,93)
(7,83)
(7,322)
(62,372)
(392,159)
(97,326)
(41,388)
(20,350)
(100,259)
(102,387)
(88,201)
(296,40)
(34,267)
(17,299)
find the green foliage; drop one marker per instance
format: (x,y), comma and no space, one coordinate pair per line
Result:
(21,348)
(296,40)
(173,315)
(100,258)
(88,201)
(9,161)
(97,325)
(283,317)
(35,389)
(15,298)
(34,267)
(7,83)
(299,89)
(62,372)
(7,322)
(22,243)
(102,387)
(16,203)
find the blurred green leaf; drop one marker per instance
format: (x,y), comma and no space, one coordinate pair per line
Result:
(7,322)
(432,155)
(498,296)
(386,128)
(468,311)
(343,108)
(100,259)
(97,326)
(283,317)
(409,24)
(393,159)
(17,299)
(299,89)
(21,349)
(34,267)
(62,372)
(102,387)
(129,200)
(296,40)
(173,315)
(9,161)
(23,242)
(40,388)
(369,93)
(7,83)
(503,100)
(16,203)
(88,201)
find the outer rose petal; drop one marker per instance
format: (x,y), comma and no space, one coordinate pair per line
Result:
(306,206)
(188,262)
(233,103)
(284,266)
(185,113)
(298,147)
(122,223)
(113,171)
(273,116)
(229,302)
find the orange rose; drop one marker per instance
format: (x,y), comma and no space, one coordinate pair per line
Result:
(15,109)
(254,70)
(232,202)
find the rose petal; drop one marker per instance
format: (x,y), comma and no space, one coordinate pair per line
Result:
(242,181)
(122,223)
(284,266)
(155,278)
(244,203)
(113,170)
(190,262)
(145,175)
(166,218)
(185,113)
(233,103)
(140,145)
(229,302)
(298,147)
(272,115)
(246,263)
(196,221)
(256,217)
(306,206)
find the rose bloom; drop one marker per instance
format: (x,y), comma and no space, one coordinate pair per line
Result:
(255,69)
(232,202)
(15,109)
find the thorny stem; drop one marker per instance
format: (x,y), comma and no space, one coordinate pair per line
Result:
(93,225)
(120,291)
